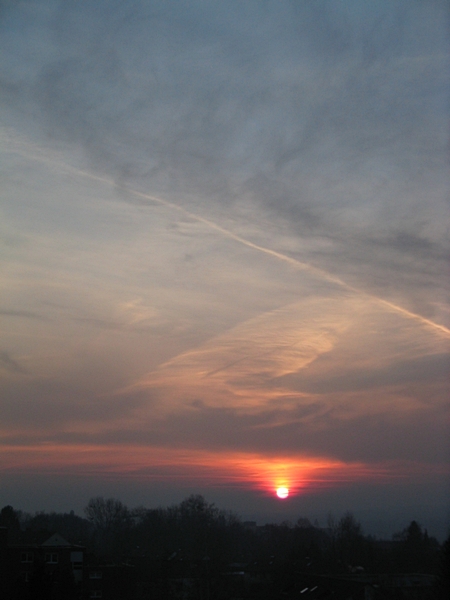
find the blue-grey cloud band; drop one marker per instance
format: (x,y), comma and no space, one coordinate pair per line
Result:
(329,117)
(297,264)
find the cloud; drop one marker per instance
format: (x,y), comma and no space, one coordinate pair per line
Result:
(226,229)
(312,346)
(213,469)
(21,313)
(431,368)
(9,363)
(316,127)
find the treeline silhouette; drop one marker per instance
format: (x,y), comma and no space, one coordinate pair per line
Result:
(206,537)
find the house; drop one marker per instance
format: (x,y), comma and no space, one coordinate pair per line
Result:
(53,567)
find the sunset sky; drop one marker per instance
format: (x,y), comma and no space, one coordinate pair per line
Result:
(224,230)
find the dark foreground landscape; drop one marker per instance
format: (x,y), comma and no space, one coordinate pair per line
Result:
(196,551)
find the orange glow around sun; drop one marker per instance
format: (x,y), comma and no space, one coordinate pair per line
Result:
(283,476)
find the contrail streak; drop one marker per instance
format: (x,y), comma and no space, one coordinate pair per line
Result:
(233,236)
(278,255)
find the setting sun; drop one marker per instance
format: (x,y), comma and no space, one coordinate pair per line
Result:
(282,492)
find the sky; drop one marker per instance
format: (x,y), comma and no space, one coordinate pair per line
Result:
(224,230)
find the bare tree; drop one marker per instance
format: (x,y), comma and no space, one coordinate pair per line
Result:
(112,522)
(107,515)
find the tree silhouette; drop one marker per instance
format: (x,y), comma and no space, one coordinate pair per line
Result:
(443,576)
(417,551)
(112,521)
(350,542)
(106,514)
(9,518)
